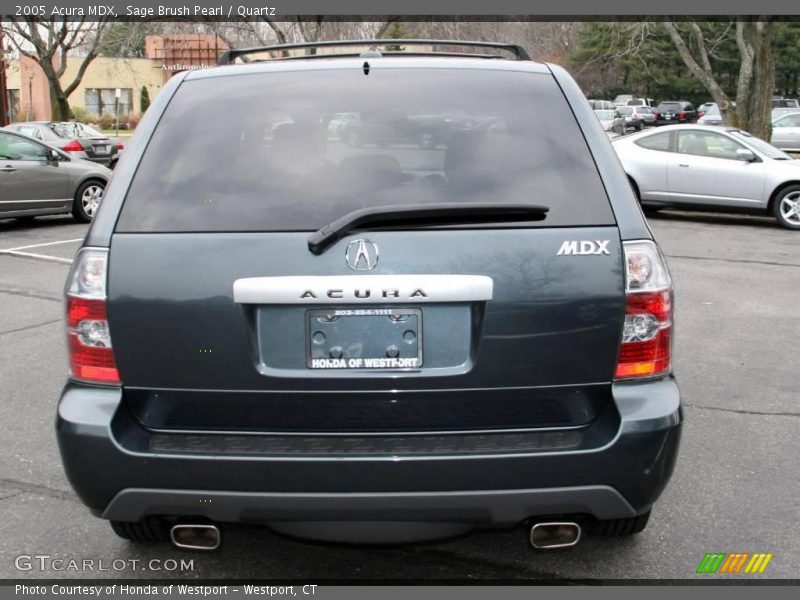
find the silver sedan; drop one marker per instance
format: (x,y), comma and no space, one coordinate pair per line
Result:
(37,179)
(713,167)
(786,132)
(612,121)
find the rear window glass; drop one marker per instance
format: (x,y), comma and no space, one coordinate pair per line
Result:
(293,151)
(65,130)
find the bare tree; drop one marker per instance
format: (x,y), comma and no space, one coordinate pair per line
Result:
(265,30)
(49,42)
(756,79)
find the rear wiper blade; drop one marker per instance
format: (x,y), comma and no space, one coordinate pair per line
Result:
(443,212)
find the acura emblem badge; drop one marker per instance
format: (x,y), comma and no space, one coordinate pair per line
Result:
(362,255)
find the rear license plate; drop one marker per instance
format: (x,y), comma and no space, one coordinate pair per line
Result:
(102,149)
(364,338)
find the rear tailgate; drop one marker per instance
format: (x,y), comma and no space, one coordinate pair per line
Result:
(538,350)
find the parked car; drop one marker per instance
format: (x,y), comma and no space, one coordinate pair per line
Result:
(649,102)
(779,112)
(340,344)
(342,120)
(637,117)
(622,99)
(386,127)
(704,108)
(785,103)
(611,120)
(77,139)
(786,132)
(601,104)
(714,167)
(37,179)
(711,116)
(674,111)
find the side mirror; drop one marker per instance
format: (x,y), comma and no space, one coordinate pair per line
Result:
(745,155)
(54,156)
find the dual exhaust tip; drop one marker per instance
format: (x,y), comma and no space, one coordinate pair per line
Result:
(544,536)
(555,535)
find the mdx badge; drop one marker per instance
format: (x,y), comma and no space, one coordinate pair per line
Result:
(362,255)
(583,247)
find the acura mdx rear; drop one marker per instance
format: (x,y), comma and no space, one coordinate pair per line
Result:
(456,318)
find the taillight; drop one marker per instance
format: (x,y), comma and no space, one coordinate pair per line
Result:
(91,357)
(682,115)
(120,146)
(73,146)
(646,346)
(657,115)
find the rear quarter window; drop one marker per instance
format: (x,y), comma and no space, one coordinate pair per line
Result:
(657,141)
(271,151)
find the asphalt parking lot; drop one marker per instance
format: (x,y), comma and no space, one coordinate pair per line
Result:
(735,488)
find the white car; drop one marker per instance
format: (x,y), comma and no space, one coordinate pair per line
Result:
(342,120)
(714,167)
(786,132)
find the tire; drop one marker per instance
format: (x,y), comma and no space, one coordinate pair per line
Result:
(786,207)
(87,200)
(619,527)
(639,126)
(149,529)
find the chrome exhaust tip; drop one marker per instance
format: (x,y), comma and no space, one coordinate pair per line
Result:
(195,536)
(554,535)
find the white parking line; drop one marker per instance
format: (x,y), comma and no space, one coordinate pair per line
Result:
(41,245)
(58,259)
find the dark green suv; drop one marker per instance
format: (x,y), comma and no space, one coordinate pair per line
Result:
(395,340)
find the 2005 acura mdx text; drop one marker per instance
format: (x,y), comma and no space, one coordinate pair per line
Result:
(461,321)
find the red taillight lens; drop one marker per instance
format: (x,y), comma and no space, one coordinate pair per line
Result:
(91,356)
(73,146)
(682,115)
(120,146)
(646,346)
(657,115)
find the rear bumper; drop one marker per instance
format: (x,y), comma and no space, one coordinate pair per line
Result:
(104,160)
(123,471)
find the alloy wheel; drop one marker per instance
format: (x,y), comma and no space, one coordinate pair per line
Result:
(90,200)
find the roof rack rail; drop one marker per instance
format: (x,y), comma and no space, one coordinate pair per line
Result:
(229,56)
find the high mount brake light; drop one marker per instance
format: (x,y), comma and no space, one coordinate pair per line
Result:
(646,346)
(91,356)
